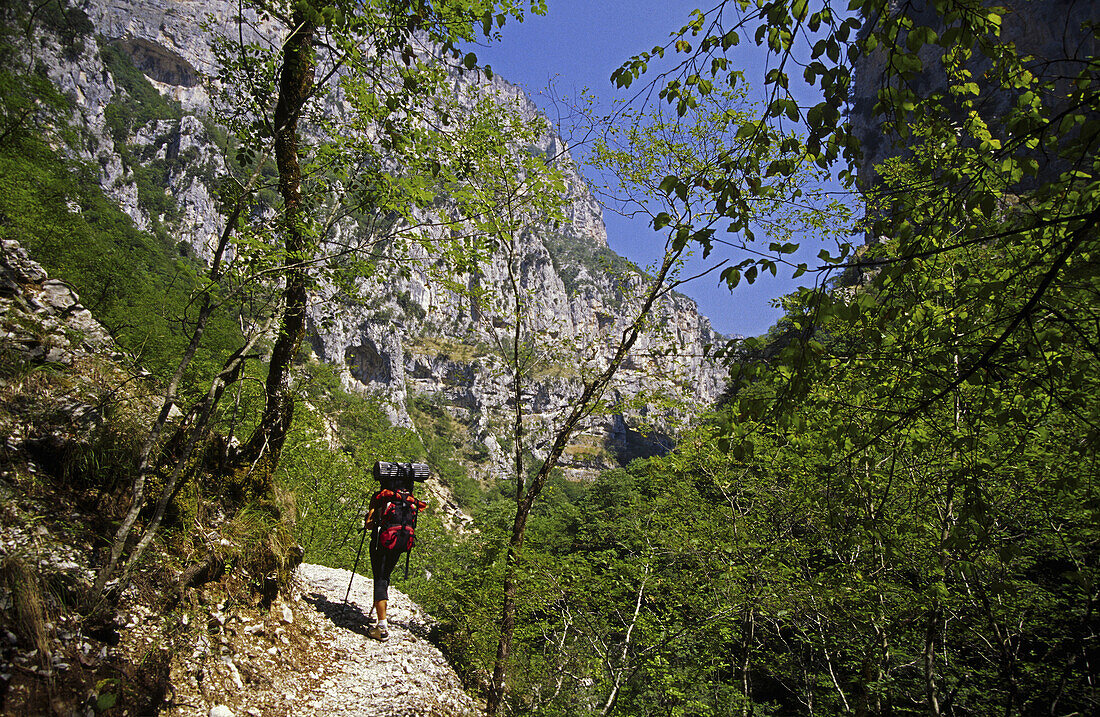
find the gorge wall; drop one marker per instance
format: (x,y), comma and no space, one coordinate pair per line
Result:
(412,342)
(1049,33)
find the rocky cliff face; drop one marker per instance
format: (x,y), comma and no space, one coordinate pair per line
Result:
(414,341)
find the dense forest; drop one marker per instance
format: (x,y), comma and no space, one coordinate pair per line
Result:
(894,506)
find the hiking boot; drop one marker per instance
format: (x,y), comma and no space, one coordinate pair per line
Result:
(378,633)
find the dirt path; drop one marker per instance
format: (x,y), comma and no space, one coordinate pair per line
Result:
(331,668)
(406,675)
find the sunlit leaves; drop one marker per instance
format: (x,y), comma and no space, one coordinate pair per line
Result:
(944,492)
(926,440)
(716,174)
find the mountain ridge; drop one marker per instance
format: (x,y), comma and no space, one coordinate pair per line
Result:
(383,347)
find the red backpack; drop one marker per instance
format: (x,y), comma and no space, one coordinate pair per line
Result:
(397,510)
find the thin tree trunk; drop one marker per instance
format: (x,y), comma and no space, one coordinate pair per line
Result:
(617,682)
(936,613)
(581,408)
(205,409)
(561,650)
(930,662)
(206,309)
(748,633)
(517,369)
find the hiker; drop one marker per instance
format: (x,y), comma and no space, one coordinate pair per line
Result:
(391,518)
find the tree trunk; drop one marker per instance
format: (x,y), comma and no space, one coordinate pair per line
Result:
(748,636)
(296,83)
(619,676)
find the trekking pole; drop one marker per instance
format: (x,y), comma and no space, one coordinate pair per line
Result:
(356,566)
(409,551)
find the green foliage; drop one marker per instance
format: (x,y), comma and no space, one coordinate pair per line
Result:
(710,584)
(463,590)
(937,451)
(932,535)
(458,581)
(71,24)
(680,171)
(361,422)
(928,58)
(347,164)
(410,308)
(571,255)
(446,446)
(342,166)
(30,105)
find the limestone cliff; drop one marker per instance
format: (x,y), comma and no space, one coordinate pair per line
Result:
(414,340)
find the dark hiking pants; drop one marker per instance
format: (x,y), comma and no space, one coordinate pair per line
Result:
(382,563)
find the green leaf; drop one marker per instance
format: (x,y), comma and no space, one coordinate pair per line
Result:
(731,276)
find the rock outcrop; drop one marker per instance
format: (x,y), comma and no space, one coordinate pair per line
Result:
(42,319)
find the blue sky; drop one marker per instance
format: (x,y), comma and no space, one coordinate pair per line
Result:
(578,44)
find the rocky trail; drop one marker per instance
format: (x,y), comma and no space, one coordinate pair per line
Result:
(406,675)
(348,673)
